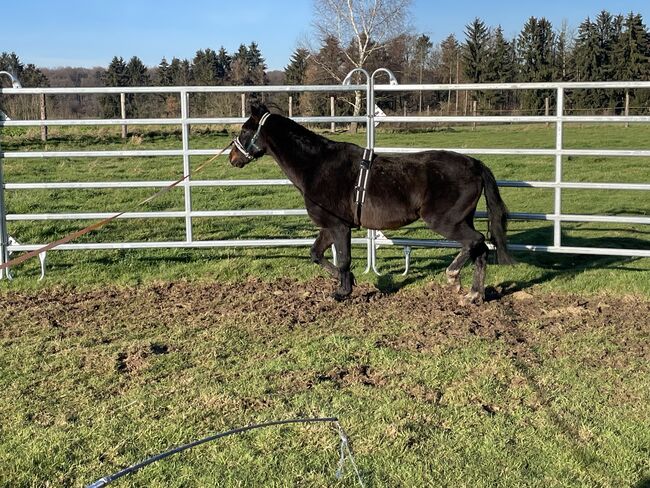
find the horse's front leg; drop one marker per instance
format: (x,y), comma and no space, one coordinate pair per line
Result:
(342,241)
(323,241)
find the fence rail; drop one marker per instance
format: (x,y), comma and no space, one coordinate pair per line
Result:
(372,240)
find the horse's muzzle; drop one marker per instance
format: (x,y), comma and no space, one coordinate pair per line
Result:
(237,159)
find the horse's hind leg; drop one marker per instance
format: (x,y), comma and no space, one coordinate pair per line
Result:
(478,253)
(453,271)
(472,246)
(323,241)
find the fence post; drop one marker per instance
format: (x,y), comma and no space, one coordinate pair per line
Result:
(557,211)
(332,113)
(243,105)
(627,107)
(123,113)
(43,117)
(290,106)
(474,104)
(4,233)
(546,108)
(186,164)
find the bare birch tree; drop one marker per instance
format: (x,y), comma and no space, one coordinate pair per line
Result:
(361,27)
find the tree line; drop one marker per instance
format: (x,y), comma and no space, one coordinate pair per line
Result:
(608,47)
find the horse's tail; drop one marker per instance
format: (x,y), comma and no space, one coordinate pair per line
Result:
(497,217)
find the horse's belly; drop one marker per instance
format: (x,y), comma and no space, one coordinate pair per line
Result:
(386,219)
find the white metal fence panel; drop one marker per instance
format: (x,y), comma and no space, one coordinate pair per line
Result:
(185,121)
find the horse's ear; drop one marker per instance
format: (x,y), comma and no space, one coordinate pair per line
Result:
(257,110)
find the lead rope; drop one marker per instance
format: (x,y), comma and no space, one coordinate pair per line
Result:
(101,223)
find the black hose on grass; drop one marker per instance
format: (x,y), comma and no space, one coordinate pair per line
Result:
(132,469)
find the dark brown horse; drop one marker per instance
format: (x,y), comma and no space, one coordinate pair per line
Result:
(440,187)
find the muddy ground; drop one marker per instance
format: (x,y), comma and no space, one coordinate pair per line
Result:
(432,311)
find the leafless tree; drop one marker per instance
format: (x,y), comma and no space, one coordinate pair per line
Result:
(361,27)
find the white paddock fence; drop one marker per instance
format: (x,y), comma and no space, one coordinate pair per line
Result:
(373,239)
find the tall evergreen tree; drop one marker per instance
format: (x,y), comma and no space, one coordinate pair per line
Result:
(475,54)
(240,66)
(586,51)
(180,72)
(631,51)
(224,62)
(632,58)
(115,75)
(328,68)
(11,62)
(204,67)
(535,46)
(296,72)
(501,68)
(137,75)
(256,65)
(475,51)
(164,78)
(296,69)
(164,75)
(423,47)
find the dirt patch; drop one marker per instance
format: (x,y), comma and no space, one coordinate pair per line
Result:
(430,316)
(136,358)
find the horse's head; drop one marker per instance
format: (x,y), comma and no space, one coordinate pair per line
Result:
(249,144)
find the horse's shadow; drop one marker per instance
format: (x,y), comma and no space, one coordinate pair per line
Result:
(643,483)
(551,266)
(567,266)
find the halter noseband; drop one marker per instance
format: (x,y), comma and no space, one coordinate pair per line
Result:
(252,144)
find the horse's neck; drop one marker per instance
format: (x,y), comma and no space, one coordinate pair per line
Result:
(297,160)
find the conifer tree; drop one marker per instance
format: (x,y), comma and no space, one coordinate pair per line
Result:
(500,68)
(204,67)
(136,75)
(535,55)
(224,62)
(180,72)
(115,75)
(164,75)
(475,51)
(296,71)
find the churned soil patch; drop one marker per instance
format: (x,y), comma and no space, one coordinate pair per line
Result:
(431,314)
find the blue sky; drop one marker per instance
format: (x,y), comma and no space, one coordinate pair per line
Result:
(90,32)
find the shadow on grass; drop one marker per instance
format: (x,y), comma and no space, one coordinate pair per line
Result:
(564,425)
(567,266)
(643,483)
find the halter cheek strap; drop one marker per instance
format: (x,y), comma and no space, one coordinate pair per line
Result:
(252,144)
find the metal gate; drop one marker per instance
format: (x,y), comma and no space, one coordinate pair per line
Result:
(559,118)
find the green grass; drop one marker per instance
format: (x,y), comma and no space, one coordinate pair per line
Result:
(96,381)
(87,268)
(119,355)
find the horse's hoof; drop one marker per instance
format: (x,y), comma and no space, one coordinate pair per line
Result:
(340,297)
(456,288)
(473,297)
(453,280)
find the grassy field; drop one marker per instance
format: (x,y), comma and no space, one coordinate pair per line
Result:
(118,355)
(570,273)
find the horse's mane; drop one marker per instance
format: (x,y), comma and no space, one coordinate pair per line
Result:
(307,140)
